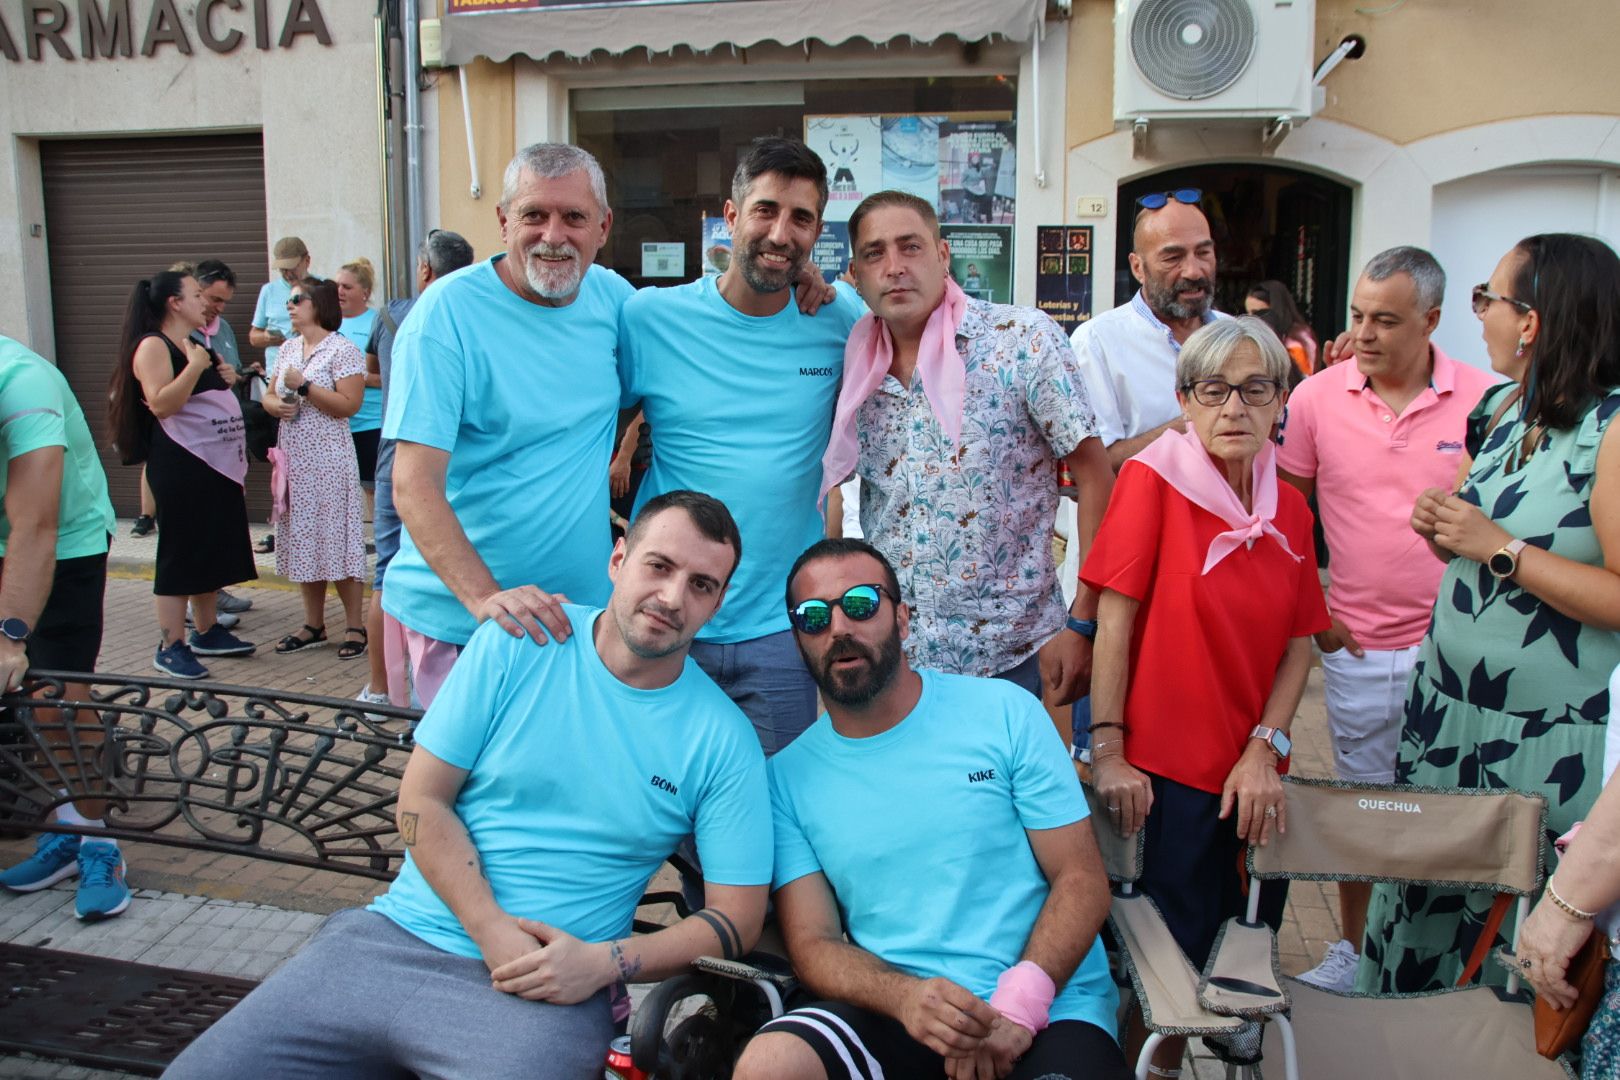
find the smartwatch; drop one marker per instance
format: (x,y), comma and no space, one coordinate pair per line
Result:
(14,629)
(303,389)
(1086,628)
(1505,562)
(1276,738)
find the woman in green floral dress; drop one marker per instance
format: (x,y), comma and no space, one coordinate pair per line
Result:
(1510,689)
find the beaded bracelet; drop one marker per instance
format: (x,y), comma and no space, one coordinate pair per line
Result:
(1567,907)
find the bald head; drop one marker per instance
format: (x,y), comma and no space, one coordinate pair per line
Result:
(1173,257)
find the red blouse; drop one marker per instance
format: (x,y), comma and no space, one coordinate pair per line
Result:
(1205,647)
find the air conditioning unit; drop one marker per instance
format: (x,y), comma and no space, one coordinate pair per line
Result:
(1209,59)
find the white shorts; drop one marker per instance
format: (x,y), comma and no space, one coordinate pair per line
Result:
(1366,700)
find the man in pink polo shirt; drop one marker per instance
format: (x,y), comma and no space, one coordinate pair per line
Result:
(1367,436)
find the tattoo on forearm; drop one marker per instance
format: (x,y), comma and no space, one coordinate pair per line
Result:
(407,828)
(628,968)
(724,929)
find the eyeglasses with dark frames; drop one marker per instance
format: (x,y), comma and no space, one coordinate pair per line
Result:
(1482,297)
(1158,200)
(860,603)
(1213,393)
(297,298)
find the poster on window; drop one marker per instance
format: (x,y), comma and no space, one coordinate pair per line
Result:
(831,250)
(1063,273)
(852,149)
(911,156)
(716,246)
(981,260)
(978,181)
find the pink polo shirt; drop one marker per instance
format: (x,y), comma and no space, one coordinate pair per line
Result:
(1370,466)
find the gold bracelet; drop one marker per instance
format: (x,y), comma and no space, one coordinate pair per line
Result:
(1567,907)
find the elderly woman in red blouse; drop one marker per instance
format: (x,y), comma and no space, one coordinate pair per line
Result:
(1209,596)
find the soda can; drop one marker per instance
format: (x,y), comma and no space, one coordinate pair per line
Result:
(620,1065)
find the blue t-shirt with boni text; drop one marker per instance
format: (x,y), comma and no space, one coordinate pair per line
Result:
(524,398)
(358,329)
(920,832)
(741,408)
(579,786)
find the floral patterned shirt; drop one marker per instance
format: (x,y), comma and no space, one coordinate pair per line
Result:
(969,527)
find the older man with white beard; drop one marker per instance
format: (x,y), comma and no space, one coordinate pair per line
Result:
(505,390)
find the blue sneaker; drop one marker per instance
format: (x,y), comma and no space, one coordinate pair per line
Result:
(55,857)
(102,892)
(219,641)
(177,660)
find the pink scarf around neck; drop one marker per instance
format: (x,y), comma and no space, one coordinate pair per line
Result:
(1180,458)
(867,357)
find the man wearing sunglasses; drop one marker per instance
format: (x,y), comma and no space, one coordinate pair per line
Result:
(954,413)
(545,789)
(1129,354)
(937,820)
(1367,437)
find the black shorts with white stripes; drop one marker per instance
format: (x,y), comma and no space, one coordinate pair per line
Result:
(854,1044)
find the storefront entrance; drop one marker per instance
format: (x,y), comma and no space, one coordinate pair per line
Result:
(1268,222)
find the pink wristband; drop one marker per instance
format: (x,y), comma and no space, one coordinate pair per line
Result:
(1024,995)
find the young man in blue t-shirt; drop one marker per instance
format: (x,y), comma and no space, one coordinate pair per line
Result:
(936,820)
(738,386)
(546,788)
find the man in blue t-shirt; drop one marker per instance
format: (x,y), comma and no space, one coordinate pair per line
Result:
(502,401)
(738,386)
(936,820)
(546,788)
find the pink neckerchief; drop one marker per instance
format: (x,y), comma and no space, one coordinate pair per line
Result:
(209,331)
(1180,458)
(867,356)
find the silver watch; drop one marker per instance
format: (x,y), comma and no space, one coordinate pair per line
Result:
(1276,738)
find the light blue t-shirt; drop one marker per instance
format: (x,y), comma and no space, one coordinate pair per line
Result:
(358,329)
(920,831)
(525,399)
(741,408)
(580,786)
(270,311)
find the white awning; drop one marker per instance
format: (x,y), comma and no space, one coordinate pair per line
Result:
(500,29)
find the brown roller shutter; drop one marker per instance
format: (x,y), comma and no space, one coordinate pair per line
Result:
(118,210)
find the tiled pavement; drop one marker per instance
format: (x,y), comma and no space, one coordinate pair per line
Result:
(234,916)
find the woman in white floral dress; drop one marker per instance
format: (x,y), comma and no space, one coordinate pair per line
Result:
(316,385)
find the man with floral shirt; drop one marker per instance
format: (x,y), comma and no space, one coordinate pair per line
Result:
(954,412)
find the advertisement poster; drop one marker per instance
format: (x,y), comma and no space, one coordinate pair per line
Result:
(852,148)
(1063,273)
(831,252)
(981,260)
(716,246)
(911,155)
(978,179)
(663,260)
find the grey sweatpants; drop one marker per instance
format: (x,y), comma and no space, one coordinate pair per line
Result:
(366,999)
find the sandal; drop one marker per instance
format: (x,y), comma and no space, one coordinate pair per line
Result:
(351,648)
(267,546)
(293,642)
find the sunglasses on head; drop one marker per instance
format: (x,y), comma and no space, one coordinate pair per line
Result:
(859,603)
(1160,199)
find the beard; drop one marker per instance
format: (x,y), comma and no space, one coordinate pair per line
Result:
(763,279)
(1165,297)
(554,281)
(644,646)
(856,688)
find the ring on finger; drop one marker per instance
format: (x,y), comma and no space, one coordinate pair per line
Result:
(1525,962)
(1271,811)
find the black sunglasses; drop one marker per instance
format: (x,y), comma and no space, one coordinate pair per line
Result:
(859,603)
(297,298)
(1160,199)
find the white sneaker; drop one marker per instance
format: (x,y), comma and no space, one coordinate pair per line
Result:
(368,696)
(1337,971)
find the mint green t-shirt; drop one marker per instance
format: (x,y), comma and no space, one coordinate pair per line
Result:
(579,786)
(38,409)
(921,834)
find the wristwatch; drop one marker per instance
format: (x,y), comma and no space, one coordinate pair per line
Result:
(303,389)
(15,629)
(1276,738)
(1086,628)
(1505,563)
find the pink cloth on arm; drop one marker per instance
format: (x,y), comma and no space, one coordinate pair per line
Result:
(279,500)
(1024,995)
(867,356)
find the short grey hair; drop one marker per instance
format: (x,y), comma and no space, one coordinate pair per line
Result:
(445,252)
(1210,347)
(1414,262)
(552,160)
